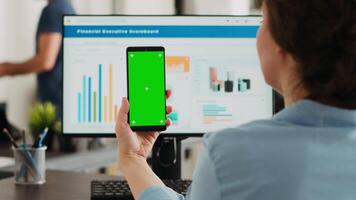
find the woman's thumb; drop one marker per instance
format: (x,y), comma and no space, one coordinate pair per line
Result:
(124,109)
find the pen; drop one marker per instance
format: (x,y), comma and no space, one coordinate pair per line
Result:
(24,146)
(24,138)
(27,155)
(38,142)
(10,137)
(43,137)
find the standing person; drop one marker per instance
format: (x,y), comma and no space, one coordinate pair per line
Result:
(307,50)
(47,62)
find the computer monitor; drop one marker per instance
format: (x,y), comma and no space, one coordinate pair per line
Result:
(212,67)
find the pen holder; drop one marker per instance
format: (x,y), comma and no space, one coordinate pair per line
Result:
(30,165)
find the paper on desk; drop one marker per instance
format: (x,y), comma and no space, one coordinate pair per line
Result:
(6,161)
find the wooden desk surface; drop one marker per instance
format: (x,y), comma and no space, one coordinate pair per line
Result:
(60,185)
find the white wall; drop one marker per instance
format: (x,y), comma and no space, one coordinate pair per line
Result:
(93,6)
(17,45)
(3,45)
(144,7)
(217,7)
(196,7)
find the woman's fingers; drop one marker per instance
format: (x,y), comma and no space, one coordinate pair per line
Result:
(124,109)
(169,109)
(123,113)
(168,122)
(168,93)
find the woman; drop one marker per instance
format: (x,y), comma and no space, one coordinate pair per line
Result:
(307,50)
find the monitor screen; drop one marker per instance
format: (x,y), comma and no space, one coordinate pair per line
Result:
(212,67)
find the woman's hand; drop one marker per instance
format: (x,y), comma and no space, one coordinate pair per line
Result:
(3,67)
(135,144)
(134,149)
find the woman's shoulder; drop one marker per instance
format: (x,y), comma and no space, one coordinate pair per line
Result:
(250,140)
(236,153)
(250,131)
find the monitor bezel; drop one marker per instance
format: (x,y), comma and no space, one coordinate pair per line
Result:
(112,135)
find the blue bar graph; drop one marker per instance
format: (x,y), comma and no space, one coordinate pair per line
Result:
(84,97)
(100,94)
(79,108)
(96,103)
(89,99)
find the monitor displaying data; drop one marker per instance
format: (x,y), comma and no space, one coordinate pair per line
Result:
(212,67)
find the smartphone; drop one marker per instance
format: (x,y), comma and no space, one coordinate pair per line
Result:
(146,88)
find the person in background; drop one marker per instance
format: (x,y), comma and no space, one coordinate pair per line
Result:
(47,62)
(307,50)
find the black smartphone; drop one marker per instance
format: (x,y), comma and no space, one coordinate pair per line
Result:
(146,88)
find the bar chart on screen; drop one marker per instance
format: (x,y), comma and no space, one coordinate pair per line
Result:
(95,86)
(94,106)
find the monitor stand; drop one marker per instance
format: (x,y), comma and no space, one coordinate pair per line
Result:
(166,157)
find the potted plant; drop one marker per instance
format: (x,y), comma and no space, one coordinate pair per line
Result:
(44,115)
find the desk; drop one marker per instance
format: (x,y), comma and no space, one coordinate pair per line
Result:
(78,161)
(59,185)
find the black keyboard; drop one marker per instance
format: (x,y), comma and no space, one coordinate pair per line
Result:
(116,189)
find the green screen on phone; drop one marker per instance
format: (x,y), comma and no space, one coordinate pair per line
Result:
(146,80)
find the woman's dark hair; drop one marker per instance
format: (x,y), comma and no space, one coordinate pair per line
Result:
(321,37)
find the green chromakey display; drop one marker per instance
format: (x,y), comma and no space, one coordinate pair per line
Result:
(146,77)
